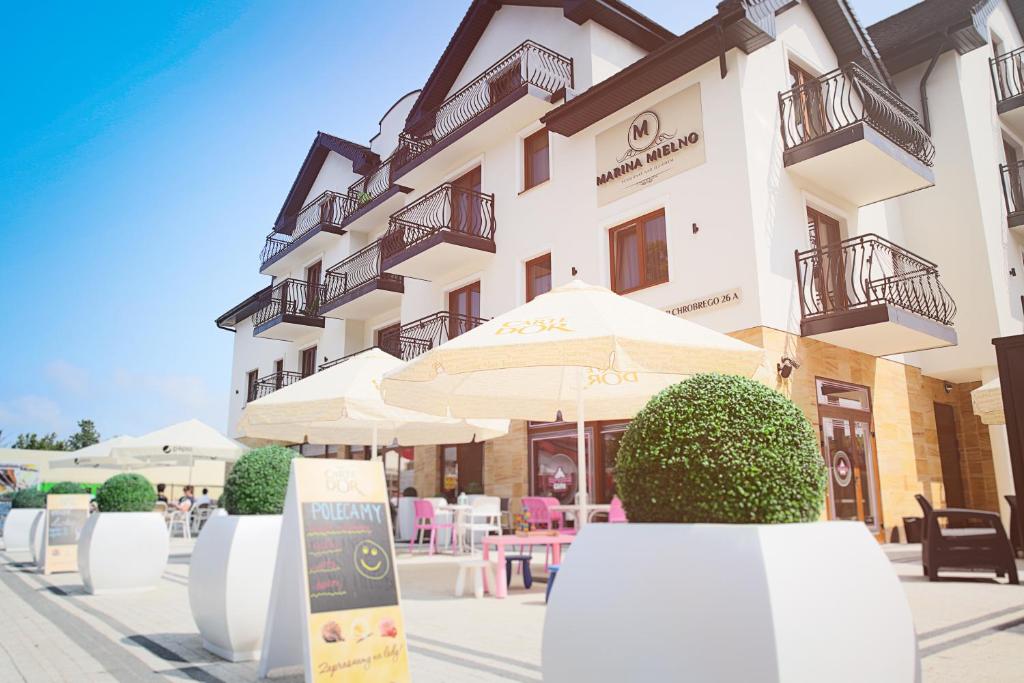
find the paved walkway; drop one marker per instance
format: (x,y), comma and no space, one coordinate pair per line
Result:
(51,630)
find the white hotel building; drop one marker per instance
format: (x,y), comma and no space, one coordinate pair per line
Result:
(779,173)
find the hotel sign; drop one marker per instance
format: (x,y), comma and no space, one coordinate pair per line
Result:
(658,143)
(707,303)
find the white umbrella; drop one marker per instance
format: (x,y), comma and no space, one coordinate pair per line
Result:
(988,403)
(179,444)
(578,349)
(343,405)
(101,455)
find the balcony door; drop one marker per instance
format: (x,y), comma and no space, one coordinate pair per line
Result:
(467,214)
(810,106)
(1015,194)
(313,288)
(308,361)
(829,263)
(463,303)
(845,417)
(278,373)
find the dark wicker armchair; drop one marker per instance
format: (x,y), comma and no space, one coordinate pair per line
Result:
(1015,536)
(971,540)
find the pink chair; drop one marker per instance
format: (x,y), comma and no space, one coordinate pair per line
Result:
(617,513)
(425,521)
(541,516)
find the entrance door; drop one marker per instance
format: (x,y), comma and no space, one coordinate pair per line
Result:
(462,469)
(467,216)
(949,454)
(829,267)
(846,443)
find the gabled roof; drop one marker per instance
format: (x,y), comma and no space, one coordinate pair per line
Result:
(614,15)
(238,313)
(931,27)
(362,160)
(745,25)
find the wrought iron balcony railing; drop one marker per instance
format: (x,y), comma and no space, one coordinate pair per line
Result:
(529,63)
(267,385)
(359,268)
(1008,74)
(412,339)
(328,209)
(289,297)
(447,207)
(373,184)
(1013,187)
(844,98)
(869,270)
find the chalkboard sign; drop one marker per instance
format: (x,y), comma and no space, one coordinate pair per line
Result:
(335,581)
(66,515)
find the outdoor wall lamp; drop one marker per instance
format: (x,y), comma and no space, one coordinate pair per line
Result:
(947,386)
(786,367)
(696,228)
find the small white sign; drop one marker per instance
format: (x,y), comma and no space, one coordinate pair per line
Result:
(707,303)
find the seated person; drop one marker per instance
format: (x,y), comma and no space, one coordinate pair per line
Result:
(188,499)
(161,495)
(204,499)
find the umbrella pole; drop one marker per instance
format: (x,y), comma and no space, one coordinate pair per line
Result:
(581,451)
(373,446)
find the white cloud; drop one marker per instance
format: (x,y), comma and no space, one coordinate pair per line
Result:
(31,413)
(67,377)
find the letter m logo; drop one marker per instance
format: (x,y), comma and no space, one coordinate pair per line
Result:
(639,130)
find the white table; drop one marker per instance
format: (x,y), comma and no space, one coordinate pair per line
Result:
(459,513)
(574,510)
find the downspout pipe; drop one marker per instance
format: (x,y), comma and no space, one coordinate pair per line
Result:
(926,119)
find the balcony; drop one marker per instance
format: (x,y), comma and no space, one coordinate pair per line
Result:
(1008,82)
(374,196)
(870,295)
(851,136)
(447,232)
(513,92)
(289,313)
(412,339)
(357,288)
(1013,192)
(267,385)
(314,228)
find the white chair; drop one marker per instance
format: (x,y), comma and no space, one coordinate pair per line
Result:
(484,518)
(182,519)
(477,568)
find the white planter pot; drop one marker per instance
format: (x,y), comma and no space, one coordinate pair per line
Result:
(122,551)
(229,583)
(715,602)
(36,535)
(18,528)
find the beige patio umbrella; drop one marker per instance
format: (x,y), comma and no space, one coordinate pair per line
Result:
(988,403)
(343,405)
(101,455)
(578,350)
(179,444)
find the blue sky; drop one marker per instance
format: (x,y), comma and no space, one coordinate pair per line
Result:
(146,150)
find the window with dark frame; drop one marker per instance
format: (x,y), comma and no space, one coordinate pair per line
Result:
(639,253)
(538,276)
(536,161)
(463,305)
(250,385)
(308,361)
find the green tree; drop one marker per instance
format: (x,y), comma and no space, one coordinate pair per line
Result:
(46,442)
(85,436)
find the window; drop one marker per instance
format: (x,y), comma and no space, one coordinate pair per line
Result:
(313,288)
(461,469)
(463,305)
(536,162)
(538,276)
(639,253)
(278,373)
(467,213)
(308,361)
(250,385)
(811,119)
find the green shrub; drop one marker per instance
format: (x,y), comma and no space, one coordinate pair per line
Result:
(258,482)
(126,493)
(29,498)
(67,487)
(720,448)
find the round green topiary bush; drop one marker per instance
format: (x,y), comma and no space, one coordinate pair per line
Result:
(63,487)
(720,449)
(29,498)
(258,482)
(126,493)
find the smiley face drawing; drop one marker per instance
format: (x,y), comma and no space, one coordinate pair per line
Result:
(372,561)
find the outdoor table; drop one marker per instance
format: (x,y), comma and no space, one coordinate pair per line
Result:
(574,510)
(505,540)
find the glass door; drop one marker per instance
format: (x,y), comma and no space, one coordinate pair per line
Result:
(846,443)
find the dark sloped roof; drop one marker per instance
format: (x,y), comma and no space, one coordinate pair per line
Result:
(236,314)
(614,15)
(919,32)
(744,25)
(362,160)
